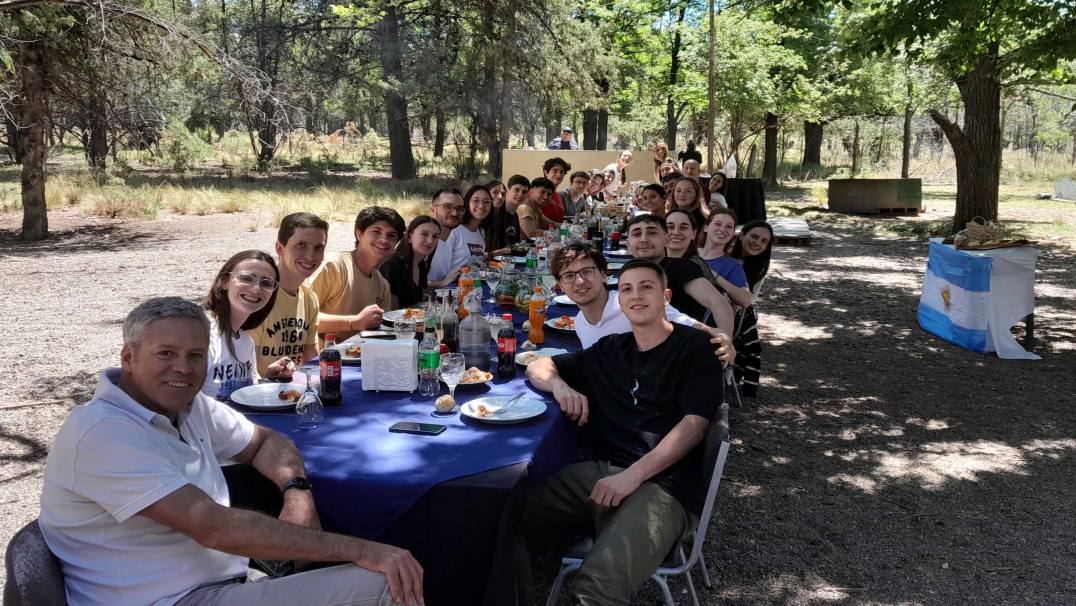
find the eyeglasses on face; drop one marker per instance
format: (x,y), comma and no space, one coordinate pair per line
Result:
(450,209)
(586,273)
(248,279)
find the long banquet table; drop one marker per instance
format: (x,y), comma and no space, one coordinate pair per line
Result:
(449,499)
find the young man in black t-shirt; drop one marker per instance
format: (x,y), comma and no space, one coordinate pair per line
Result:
(692,293)
(647,397)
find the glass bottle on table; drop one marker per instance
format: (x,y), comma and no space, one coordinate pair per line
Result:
(450,324)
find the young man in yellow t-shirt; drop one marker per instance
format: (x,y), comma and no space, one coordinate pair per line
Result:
(290,329)
(351,292)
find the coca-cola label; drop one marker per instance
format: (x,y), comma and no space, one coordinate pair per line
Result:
(506,345)
(330,369)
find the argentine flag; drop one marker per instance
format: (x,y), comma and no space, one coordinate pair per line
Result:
(972,300)
(955,304)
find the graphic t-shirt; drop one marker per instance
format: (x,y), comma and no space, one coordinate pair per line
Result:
(288,330)
(637,397)
(729,269)
(228,373)
(681,272)
(343,290)
(510,223)
(466,246)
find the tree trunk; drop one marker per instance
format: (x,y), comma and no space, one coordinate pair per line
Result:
(603,129)
(401,157)
(855,147)
(674,77)
(14,136)
(812,144)
(590,129)
(976,146)
(438,135)
(906,146)
(769,162)
(711,111)
(96,144)
(504,118)
(751,153)
(31,117)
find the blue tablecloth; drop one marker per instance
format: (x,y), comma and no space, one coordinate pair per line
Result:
(365,477)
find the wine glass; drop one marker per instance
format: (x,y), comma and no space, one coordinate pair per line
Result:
(309,407)
(452,367)
(492,276)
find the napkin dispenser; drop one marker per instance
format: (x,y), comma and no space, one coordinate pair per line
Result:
(390,365)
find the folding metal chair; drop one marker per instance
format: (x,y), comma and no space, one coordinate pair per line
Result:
(715,452)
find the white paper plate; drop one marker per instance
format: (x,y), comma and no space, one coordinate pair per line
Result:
(549,324)
(613,281)
(525,408)
(397,314)
(541,353)
(615,265)
(564,300)
(264,396)
(623,252)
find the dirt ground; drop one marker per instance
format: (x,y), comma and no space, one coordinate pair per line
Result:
(880,465)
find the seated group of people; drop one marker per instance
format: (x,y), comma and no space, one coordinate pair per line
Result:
(135,505)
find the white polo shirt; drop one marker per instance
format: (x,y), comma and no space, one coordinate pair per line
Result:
(112,459)
(614,322)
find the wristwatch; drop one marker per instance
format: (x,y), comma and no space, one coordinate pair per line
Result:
(297,482)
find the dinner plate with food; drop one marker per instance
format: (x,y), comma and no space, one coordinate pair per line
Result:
(488,409)
(475,376)
(525,358)
(410,313)
(562,324)
(269,396)
(351,351)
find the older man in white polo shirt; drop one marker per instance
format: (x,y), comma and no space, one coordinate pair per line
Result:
(136,508)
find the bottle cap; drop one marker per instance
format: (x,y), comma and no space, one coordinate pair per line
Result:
(466,270)
(330,336)
(506,317)
(537,289)
(444,348)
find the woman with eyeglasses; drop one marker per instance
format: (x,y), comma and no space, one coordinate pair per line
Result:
(468,241)
(241,296)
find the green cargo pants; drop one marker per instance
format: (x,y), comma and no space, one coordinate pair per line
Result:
(632,539)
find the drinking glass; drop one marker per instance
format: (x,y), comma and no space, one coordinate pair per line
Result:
(452,368)
(404,328)
(309,407)
(492,276)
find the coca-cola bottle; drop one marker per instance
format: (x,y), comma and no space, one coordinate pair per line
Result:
(330,373)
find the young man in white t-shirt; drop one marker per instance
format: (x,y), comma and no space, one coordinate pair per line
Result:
(580,269)
(447,208)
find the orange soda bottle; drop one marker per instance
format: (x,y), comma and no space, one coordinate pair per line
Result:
(466,285)
(536,334)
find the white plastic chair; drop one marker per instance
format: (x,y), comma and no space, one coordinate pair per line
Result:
(715,452)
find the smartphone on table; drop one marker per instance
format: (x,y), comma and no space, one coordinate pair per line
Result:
(422,429)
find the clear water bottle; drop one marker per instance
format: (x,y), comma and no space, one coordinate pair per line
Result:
(545,277)
(429,359)
(474,334)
